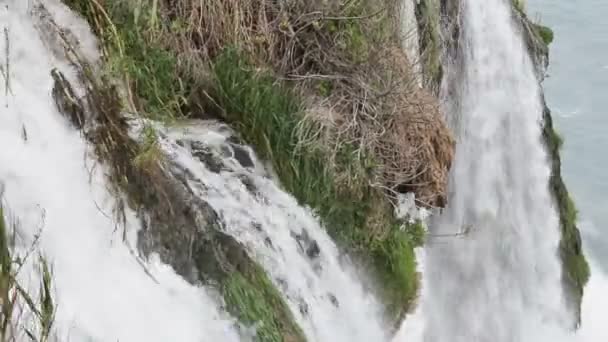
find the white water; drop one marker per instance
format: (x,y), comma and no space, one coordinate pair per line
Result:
(500,281)
(266,221)
(101,291)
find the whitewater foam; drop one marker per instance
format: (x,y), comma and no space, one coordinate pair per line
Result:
(102,293)
(499,278)
(322,290)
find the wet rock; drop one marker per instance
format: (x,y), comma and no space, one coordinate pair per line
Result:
(248,183)
(23,133)
(257,226)
(66,100)
(313,250)
(307,244)
(206,156)
(304,309)
(242,156)
(226,151)
(333,300)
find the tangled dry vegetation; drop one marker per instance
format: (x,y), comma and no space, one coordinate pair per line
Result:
(344,59)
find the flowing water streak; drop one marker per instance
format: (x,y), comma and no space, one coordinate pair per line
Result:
(101,291)
(500,281)
(322,291)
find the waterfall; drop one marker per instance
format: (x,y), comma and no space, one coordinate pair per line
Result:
(323,291)
(53,187)
(492,271)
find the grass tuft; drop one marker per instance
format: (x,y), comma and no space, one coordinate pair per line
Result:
(16,304)
(256,302)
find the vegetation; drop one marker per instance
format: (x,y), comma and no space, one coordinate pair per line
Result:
(545,33)
(267,114)
(428,14)
(326,97)
(575,269)
(270,316)
(520,5)
(137,171)
(20,315)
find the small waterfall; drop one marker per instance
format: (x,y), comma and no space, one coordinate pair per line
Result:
(492,271)
(322,291)
(53,186)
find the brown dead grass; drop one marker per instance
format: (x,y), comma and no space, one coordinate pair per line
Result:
(345,59)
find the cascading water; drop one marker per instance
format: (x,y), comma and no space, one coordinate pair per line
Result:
(51,186)
(322,291)
(104,292)
(499,280)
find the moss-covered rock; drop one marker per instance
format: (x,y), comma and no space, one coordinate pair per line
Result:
(575,270)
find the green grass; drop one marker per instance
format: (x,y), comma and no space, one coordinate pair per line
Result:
(267,114)
(248,293)
(15,299)
(137,54)
(149,151)
(255,302)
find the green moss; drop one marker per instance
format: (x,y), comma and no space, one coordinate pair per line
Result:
(575,270)
(545,33)
(248,293)
(256,302)
(268,115)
